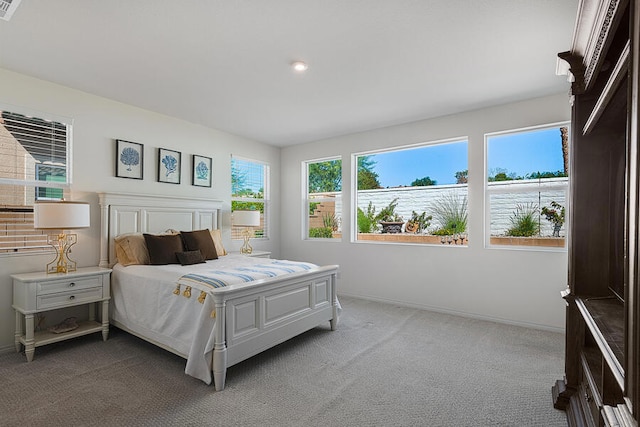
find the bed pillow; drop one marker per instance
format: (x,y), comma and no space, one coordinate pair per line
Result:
(163,248)
(190,257)
(217,241)
(199,240)
(131,249)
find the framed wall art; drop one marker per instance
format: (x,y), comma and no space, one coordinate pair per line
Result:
(201,171)
(129,159)
(169,166)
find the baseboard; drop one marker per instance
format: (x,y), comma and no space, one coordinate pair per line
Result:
(456,313)
(10,348)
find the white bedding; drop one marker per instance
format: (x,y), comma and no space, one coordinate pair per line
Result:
(143,301)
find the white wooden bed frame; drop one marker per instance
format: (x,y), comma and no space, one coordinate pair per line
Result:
(249,320)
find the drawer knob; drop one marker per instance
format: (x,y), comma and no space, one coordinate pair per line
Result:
(72,297)
(72,284)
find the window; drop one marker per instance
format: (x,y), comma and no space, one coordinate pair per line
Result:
(413,194)
(250,191)
(34,154)
(526,186)
(323,199)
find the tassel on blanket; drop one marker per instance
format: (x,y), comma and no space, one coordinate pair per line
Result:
(176,291)
(187,292)
(202,296)
(213,314)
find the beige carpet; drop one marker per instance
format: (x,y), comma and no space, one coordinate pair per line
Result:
(384,366)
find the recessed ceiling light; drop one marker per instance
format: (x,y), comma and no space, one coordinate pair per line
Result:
(299,66)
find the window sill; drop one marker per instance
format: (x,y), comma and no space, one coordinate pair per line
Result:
(541,242)
(423,239)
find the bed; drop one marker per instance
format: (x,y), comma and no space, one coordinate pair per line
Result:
(187,310)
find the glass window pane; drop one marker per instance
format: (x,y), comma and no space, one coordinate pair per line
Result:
(527,181)
(250,192)
(540,153)
(324,199)
(413,195)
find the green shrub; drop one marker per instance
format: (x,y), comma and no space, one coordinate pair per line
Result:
(444,232)
(247,206)
(321,232)
(450,212)
(525,221)
(367,220)
(330,220)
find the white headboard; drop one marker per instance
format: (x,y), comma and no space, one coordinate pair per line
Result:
(136,213)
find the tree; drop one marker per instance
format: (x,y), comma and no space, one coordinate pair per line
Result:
(423,182)
(325,176)
(367,178)
(500,174)
(542,175)
(238,180)
(462,177)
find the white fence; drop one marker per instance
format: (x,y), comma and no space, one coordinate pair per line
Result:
(504,199)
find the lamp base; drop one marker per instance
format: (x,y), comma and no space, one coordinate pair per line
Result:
(62,244)
(246,248)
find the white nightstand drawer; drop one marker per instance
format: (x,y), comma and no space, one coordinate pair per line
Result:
(68,284)
(65,299)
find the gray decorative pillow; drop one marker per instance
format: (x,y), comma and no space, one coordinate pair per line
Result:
(190,257)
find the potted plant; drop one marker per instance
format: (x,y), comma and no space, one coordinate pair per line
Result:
(418,223)
(554,214)
(390,221)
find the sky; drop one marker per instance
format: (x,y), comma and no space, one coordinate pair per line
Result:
(520,153)
(438,162)
(523,153)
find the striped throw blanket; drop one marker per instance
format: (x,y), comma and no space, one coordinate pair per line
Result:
(234,276)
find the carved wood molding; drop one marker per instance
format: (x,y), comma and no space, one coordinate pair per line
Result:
(576,71)
(600,44)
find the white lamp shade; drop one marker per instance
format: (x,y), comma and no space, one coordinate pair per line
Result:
(246,218)
(61,215)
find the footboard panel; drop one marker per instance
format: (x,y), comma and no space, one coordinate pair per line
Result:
(259,317)
(260,321)
(280,306)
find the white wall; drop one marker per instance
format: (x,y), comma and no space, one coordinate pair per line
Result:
(516,286)
(97,123)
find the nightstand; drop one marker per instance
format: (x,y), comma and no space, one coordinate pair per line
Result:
(37,292)
(259,254)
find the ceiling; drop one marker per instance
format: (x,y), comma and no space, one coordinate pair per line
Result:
(225,64)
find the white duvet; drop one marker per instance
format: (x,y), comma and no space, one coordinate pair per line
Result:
(143,301)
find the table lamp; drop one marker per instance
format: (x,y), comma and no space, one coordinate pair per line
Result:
(246,219)
(61,216)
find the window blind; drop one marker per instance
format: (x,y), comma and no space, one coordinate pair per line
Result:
(35,153)
(33,149)
(17,233)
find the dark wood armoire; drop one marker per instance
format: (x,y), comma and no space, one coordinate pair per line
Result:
(602,365)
